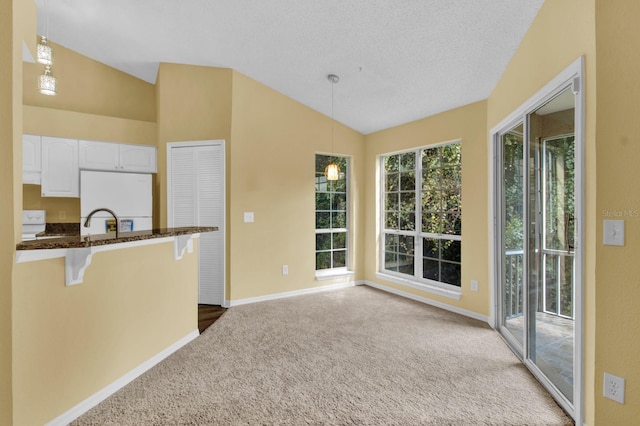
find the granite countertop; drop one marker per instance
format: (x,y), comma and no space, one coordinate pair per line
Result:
(78,241)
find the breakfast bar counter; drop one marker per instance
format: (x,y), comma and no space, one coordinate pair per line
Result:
(79,241)
(78,250)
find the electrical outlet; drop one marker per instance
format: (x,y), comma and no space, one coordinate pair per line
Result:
(474,285)
(62,214)
(614,388)
(285,269)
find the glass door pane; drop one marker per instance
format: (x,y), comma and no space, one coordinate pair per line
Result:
(551,235)
(512,167)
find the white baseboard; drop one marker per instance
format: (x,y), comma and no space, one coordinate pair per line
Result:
(285,294)
(101,395)
(431,302)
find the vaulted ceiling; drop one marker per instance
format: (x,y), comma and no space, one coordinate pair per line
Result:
(398,60)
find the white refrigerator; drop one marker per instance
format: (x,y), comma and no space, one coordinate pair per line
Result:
(128,195)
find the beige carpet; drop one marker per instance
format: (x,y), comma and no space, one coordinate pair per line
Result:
(354,356)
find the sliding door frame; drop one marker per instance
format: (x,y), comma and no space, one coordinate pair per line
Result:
(573,77)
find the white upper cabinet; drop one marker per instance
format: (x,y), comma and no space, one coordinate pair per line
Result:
(138,158)
(60,172)
(99,155)
(118,157)
(31,164)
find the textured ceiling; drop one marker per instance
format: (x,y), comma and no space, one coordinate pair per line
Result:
(398,60)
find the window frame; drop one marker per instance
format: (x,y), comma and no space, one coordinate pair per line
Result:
(334,272)
(416,280)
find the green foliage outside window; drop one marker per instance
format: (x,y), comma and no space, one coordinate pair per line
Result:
(423,195)
(331,214)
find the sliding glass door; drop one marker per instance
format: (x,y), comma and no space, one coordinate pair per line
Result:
(512,250)
(536,234)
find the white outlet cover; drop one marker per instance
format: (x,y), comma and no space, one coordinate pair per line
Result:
(248,217)
(474,285)
(613,232)
(613,388)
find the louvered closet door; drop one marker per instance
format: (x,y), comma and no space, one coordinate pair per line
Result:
(198,199)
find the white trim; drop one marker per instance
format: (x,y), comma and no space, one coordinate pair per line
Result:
(573,77)
(84,406)
(330,274)
(427,301)
(283,295)
(221,142)
(430,288)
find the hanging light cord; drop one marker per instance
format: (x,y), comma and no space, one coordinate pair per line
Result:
(46,19)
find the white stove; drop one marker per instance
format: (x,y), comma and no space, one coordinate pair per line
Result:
(33,223)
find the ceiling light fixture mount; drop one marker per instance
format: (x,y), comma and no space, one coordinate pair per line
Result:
(332,171)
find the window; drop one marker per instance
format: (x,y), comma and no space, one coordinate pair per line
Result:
(331,216)
(422,215)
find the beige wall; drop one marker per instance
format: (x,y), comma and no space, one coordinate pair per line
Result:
(260,127)
(272,152)
(7,232)
(193,103)
(549,46)
(71,342)
(618,154)
(17,25)
(467,123)
(90,87)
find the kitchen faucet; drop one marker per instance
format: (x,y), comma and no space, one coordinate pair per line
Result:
(87,222)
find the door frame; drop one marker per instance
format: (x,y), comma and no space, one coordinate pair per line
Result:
(572,76)
(212,142)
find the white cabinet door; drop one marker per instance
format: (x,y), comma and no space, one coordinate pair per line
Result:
(99,155)
(119,157)
(31,165)
(60,171)
(137,158)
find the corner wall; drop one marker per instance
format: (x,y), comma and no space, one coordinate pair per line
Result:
(561,32)
(272,153)
(193,104)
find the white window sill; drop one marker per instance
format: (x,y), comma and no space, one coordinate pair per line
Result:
(330,274)
(451,294)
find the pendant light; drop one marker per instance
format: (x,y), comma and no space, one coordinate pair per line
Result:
(46,82)
(44,53)
(332,171)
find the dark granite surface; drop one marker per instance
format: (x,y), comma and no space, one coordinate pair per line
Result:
(77,241)
(61,229)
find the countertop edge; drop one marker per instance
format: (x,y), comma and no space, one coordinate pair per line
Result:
(77,241)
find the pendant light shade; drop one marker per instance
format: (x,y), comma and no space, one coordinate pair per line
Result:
(47,82)
(44,53)
(332,171)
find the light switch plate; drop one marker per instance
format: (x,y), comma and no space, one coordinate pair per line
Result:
(248,217)
(613,232)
